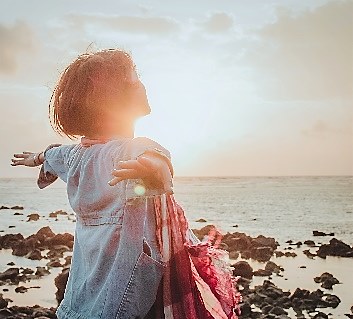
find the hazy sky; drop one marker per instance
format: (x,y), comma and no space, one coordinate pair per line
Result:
(236,87)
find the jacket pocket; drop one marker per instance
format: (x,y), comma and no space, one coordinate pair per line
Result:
(141,291)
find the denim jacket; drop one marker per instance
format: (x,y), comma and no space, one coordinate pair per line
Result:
(116,267)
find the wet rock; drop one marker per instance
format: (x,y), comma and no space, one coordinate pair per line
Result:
(34,255)
(21,289)
(17,214)
(201,220)
(335,248)
(17,207)
(44,232)
(262,253)
(27,271)
(320,233)
(56,213)
(233,255)
(60,283)
(273,267)
(60,239)
(42,271)
(327,280)
(67,260)
(54,263)
(309,254)
(320,315)
(11,263)
(33,217)
(331,301)
(4,207)
(262,273)
(9,240)
(278,311)
(309,243)
(3,302)
(243,269)
(10,273)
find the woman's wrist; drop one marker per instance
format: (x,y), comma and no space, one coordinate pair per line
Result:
(38,158)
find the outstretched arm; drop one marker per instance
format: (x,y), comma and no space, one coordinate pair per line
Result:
(153,167)
(29,159)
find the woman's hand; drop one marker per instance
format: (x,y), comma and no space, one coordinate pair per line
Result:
(29,159)
(153,170)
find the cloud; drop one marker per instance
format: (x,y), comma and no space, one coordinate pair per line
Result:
(322,129)
(14,41)
(127,23)
(307,55)
(219,22)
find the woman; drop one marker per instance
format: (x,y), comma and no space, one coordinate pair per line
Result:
(134,255)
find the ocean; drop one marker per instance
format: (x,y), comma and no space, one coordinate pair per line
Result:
(281,207)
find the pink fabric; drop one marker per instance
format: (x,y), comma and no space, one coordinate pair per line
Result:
(198,282)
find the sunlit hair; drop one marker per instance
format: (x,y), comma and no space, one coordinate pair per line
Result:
(88,86)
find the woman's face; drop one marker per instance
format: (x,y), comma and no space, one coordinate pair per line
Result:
(139,102)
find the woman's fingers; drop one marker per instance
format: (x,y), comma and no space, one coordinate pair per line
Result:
(17,162)
(22,155)
(115,181)
(148,163)
(131,164)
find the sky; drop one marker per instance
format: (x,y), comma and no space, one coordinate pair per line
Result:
(237,88)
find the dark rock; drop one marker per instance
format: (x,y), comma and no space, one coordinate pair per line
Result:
(27,271)
(201,220)
(262,273)
(320,315)
(34,255)
(262,253)
(4,207)
(3,302)
(21,289)
(278,311)
(10,273)
(60,283)
(9,240)
(330,301)
(335,248)
(243,269)
(309,243)
(60,239)
(245,309)
(33,217)
(233,255)
(17,207)
(309,254)
(273,267)
(54,263)
(320,233)
(42,271)
(327,280)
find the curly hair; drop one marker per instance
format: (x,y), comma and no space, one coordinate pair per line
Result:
(89,85)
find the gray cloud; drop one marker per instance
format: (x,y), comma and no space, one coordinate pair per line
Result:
(219,22)
(14,40)
(307,55)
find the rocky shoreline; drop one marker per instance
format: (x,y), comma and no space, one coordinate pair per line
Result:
(265,300)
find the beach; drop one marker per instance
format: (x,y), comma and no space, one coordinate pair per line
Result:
(273,226)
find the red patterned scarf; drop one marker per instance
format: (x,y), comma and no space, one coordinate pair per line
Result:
(198,282)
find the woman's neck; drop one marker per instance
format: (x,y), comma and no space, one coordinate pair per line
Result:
(126,130)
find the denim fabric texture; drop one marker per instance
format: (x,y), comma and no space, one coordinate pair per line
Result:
(116,266)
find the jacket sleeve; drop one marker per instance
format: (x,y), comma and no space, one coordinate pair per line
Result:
(136,188)
(55,164)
